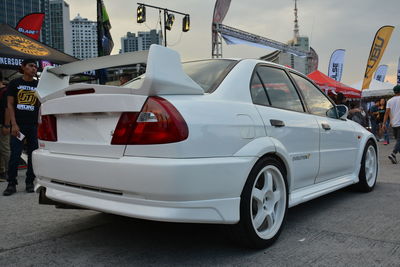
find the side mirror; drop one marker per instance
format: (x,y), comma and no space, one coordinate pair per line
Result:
(338,112)
(342,111)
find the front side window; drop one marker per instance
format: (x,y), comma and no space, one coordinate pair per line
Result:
(279,89)
(317,102)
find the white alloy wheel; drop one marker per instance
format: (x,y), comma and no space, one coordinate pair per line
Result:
(263,205)
(268,202)
(371,166)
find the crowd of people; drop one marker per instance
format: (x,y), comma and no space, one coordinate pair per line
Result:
(379,117)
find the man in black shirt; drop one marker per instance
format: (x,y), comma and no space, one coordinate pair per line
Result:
(22,118)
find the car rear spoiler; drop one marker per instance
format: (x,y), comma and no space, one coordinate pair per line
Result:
(164,73)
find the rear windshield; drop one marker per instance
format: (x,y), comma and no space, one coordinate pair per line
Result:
(206,73)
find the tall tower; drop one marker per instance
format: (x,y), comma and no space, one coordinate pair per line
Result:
(296,22)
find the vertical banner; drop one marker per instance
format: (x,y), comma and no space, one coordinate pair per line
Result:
(381,40)
(380,73)
(105,42)
(398,72)
(335,68)
(220,10)
(31,25)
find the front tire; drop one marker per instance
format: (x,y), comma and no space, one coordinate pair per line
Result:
(264,204)
(369,168)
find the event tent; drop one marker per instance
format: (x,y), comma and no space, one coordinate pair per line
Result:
(330,86)
(15,47)
(376,89)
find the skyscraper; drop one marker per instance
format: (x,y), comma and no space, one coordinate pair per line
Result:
(84,37)
(60,26)
(131,42)
(11,11)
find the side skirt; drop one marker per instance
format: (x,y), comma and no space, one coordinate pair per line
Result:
(299,196)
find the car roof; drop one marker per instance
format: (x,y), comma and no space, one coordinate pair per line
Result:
(252,61)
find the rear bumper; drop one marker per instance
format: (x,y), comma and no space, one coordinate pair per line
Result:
(178,190)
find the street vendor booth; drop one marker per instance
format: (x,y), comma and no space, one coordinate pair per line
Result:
(15,47)
(332,87)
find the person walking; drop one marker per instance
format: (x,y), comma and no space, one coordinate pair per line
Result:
(22,117)
(4,135)
(393,112)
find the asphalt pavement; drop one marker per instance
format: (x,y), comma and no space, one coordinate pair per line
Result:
(344,228)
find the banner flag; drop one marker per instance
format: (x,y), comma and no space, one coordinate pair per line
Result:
(335,68)
(31,24)
(105,42)
(220,10)
(381,40)
(398,72)
(380,73)
(104,39)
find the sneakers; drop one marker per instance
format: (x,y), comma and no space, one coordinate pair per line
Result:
(392,158)
(11,189)
(385,142)
(29,188)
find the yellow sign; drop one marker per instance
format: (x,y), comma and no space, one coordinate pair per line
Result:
(24,45)
(381,40)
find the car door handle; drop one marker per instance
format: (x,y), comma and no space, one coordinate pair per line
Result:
(277,123)
(326,126)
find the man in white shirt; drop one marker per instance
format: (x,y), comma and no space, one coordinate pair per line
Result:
(393,111)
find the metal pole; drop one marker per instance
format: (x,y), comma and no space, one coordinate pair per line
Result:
(165,28)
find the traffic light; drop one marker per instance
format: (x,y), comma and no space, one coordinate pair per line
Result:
(170,21)
(141,14)
(186,23)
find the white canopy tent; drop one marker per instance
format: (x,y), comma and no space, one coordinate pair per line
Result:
(376,88)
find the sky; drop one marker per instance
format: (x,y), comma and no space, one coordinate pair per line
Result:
(330,25)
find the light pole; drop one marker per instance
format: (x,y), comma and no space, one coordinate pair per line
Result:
(169,18)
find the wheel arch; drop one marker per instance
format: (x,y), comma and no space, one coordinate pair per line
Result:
(267,146)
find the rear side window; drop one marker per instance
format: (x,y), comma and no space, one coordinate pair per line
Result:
(278,89)
(258,93)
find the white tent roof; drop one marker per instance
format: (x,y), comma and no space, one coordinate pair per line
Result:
(376,88)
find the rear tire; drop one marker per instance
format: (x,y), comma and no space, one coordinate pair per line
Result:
(263,206)
(369,168)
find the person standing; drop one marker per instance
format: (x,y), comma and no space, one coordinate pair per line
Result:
(4,135)
(22,117)
(393,112)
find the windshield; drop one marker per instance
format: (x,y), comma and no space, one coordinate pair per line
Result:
(206,73)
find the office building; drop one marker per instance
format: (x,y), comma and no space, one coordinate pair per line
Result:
(84,38)
(60,26)
(142,41)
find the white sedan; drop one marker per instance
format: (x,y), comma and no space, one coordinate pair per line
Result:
(233,142)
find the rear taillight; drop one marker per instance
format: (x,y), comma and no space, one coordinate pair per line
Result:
(159,122)
(47,128)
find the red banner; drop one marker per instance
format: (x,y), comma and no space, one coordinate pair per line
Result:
(31,24)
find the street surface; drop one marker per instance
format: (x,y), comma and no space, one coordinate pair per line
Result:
(344,228)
